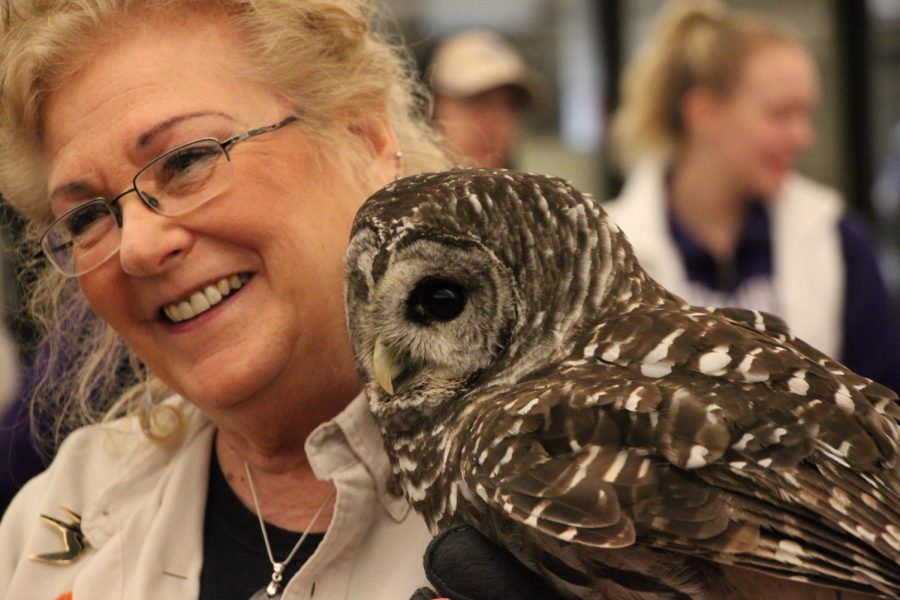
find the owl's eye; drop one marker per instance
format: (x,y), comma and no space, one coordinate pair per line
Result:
(436,299)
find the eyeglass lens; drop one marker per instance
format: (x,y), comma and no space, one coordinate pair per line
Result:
(184,178)
(172,184)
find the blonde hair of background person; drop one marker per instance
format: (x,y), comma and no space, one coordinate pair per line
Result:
(89,89)
(696,44)
(716,110)
(353,82)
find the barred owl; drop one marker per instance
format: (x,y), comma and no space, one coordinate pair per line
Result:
(530,379)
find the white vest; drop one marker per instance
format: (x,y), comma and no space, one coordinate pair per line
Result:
(808,263)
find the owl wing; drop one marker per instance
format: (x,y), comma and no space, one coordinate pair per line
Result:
(555,459)
(823,378)
(699,432)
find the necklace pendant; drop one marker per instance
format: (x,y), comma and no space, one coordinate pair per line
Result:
(271,591)
(263,593)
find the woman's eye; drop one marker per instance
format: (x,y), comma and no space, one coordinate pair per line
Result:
(188,163)
(436,299)
(85,218)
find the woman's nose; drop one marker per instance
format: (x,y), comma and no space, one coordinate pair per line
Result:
(151,243)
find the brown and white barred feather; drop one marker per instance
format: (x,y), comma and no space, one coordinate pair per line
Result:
(611,436)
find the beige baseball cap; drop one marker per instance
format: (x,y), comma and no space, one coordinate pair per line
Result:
(478,60)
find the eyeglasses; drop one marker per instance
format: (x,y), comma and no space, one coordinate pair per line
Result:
(172,184)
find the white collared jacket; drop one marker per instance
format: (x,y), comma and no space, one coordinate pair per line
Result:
(142,508)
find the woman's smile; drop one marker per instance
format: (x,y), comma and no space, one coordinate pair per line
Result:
(204,299)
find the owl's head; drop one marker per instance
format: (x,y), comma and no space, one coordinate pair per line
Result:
(427,313)
(473,277)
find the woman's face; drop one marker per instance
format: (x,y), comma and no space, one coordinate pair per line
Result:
(763,126)
(282,224)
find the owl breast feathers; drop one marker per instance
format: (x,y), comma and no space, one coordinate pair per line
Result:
(532,380)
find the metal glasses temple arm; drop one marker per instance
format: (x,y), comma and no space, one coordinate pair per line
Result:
(259,130)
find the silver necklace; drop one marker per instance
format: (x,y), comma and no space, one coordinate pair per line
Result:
(273,589)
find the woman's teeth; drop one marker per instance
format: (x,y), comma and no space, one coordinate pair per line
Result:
(201,301)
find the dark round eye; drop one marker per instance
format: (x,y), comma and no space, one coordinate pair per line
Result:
(436,299)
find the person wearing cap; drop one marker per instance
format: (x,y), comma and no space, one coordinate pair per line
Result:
(482,88)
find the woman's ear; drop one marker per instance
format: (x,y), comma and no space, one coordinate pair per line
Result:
(700,109)
(378,135)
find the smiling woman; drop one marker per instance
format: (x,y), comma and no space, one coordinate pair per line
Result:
(191,171)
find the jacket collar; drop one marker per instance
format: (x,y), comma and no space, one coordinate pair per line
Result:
(353,436)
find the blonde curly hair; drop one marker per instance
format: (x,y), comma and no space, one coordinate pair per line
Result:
(324,57)
(693,43)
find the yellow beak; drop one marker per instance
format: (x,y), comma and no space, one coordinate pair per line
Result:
(386,368)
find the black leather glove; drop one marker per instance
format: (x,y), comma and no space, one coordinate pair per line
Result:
(462,564)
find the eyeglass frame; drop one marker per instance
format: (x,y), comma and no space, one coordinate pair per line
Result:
(146,199)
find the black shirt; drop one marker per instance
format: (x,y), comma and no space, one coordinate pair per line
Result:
(235,562)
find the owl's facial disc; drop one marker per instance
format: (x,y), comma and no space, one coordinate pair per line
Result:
(426,315)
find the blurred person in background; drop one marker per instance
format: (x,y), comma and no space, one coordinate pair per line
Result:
(9,372)
(19,459)
(11,426)
(482,91)
(9,363)
(716,111)
(9,377)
